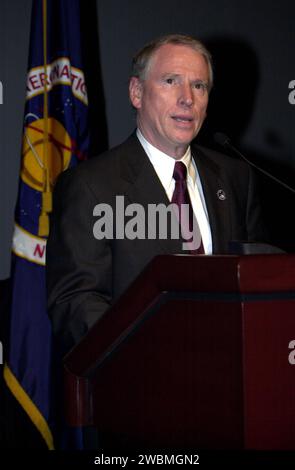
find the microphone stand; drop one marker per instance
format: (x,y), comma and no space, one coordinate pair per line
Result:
(225,142)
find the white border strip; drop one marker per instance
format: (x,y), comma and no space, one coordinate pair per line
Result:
(28,246)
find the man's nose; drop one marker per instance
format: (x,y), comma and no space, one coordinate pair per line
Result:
(186,97)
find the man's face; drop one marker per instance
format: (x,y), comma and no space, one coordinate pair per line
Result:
(172,101)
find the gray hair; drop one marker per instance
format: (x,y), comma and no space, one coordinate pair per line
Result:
(141,61)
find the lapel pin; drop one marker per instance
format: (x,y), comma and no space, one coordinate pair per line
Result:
(221,194)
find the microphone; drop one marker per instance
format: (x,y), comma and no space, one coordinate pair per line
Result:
(225,142)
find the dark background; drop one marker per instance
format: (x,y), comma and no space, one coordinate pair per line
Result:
(253,45)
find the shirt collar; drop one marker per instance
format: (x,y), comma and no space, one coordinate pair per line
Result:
(190,165)
(163,163)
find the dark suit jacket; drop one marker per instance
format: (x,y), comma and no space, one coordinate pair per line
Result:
(85,275)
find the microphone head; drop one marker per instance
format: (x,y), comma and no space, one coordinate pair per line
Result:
(221,139)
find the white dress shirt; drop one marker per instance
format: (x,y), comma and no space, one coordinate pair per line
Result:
(164,167)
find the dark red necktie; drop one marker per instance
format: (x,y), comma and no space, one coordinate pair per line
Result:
(188,221)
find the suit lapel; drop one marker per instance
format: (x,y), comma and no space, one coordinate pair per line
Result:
(217,197)
(144,187)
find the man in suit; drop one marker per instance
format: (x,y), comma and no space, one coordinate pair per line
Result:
(169,88)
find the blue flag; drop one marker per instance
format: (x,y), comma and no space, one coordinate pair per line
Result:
(55,137)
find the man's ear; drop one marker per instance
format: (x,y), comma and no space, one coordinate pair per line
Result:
(135,92)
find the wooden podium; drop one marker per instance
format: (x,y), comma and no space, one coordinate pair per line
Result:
(196,354)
